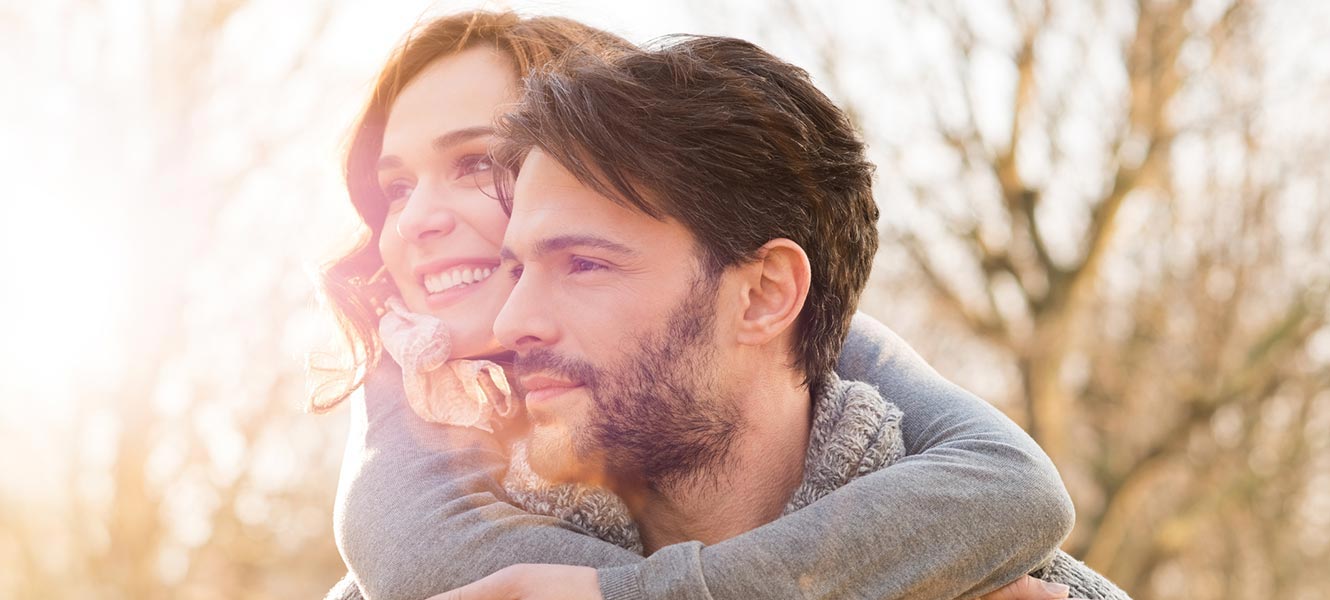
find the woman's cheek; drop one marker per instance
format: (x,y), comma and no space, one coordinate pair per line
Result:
(473,335)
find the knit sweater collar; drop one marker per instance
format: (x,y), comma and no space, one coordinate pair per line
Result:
(854,432)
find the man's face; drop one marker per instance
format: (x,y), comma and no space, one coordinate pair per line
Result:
(614,325)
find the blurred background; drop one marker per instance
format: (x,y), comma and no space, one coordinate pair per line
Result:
(1110,218)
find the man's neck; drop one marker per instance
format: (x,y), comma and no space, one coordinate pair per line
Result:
(748,489)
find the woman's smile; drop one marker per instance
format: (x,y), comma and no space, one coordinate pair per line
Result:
(446,286)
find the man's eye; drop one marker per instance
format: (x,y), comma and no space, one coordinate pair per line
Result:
(582,265)
(515,272)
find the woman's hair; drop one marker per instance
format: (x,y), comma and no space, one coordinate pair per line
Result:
(356,284)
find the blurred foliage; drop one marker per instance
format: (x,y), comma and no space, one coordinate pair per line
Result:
(1109,218)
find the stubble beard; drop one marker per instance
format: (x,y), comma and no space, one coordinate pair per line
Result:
(657,418)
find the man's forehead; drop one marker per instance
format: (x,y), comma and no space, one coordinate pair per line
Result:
(543,181)
(548,199)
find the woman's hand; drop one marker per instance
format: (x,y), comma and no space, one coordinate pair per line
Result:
(1028,588)
(531,582)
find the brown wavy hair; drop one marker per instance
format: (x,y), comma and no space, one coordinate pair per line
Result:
(734,143)
(355,285)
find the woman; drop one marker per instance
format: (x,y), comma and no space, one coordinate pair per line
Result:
(420,508)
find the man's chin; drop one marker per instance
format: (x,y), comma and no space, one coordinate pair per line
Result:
(551,450)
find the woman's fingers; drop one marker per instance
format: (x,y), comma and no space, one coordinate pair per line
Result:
(1029,588)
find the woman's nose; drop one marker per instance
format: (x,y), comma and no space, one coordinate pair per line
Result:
(424,217)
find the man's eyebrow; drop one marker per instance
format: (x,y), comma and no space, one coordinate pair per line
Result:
(442,143)
(564,242)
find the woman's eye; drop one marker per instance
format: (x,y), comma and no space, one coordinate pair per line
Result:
(515,272)
(397,192)
(479,170)
(472,164)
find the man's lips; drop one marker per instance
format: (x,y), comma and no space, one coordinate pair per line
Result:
(543,388)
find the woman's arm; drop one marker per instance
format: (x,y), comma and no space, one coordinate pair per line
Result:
(421,509)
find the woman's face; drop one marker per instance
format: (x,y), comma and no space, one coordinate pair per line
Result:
(441,238)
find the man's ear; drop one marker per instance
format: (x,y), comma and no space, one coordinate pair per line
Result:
(775,289)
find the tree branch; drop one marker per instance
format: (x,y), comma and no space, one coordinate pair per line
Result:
(984,325)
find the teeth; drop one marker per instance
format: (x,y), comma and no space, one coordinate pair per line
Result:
(433,284)
(441,282)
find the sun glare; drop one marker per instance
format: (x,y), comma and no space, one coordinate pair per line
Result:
(65,301)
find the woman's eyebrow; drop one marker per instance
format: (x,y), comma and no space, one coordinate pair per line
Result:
(458,136)
(442,143)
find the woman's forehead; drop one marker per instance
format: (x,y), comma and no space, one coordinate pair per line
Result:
(460,91)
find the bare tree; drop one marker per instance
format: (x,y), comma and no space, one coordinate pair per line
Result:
(1127,221)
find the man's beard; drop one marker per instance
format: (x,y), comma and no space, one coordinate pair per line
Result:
(658,417)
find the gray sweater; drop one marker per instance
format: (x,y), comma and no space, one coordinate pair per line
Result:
(854,432)
(973,505)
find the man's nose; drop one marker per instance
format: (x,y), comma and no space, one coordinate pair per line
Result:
(527,319)
(425,216)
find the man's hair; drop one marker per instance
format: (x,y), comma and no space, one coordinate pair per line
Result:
(737,145)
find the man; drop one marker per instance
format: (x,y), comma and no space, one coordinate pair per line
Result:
(691,229)
(665,237)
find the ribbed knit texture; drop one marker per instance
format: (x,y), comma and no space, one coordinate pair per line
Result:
(619,583)
(594,509)
(1084,581)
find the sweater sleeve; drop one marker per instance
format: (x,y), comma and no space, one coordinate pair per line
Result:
(421,510)
(973,505)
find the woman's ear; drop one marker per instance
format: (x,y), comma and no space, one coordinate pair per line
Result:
(777,289)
